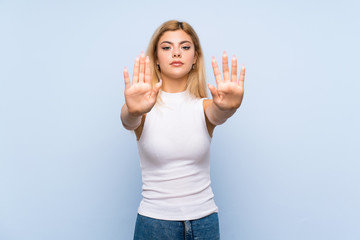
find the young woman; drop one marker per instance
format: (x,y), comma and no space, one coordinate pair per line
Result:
(173,120)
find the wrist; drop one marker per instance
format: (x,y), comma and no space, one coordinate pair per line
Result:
(129,119)
(131,112)
(219,109)
(134,114)
(218,115)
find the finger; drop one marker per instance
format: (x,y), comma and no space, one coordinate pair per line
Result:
(242,76)
(234,69)
(213,91)
(147,70)
(126,78)
(158,86)
(156,89)
(142,68)
(225,67)
(136,70)
(217,73)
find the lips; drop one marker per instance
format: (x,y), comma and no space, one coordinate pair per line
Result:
(177,64)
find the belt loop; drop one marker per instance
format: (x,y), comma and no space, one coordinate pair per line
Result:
(188,230)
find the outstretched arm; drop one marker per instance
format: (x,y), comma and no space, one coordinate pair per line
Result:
(140,96)
(228,95)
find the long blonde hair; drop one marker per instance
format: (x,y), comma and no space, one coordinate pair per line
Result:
(196,83)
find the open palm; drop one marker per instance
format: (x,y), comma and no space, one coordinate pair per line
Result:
(229,92)
(140,96)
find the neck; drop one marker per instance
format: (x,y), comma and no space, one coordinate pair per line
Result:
(171,85)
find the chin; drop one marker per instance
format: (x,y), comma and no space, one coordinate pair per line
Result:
(177,76)
(177,73)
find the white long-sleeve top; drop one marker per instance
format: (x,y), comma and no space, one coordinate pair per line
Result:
(174,150)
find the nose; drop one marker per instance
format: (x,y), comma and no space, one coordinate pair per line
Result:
(176,53)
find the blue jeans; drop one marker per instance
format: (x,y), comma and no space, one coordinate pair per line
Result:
(206,228)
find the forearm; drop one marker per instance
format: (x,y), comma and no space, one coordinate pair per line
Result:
(217,116)
(129,121)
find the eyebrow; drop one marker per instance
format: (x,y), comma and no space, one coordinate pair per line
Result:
(182,42)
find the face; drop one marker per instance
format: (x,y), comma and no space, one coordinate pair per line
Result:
(176,54)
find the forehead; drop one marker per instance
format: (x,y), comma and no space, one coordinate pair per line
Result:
(175,37)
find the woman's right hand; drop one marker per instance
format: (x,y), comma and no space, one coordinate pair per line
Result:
(140,96)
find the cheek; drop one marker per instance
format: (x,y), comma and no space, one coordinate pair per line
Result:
(191,56)
(162,58)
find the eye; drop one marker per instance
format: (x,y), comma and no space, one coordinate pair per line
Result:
(186,47)
(165,48)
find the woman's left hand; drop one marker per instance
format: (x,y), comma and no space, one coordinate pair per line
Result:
(229,92)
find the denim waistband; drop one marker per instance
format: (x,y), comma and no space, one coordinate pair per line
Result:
(147,228)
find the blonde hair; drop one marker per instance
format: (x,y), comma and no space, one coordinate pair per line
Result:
(196,83)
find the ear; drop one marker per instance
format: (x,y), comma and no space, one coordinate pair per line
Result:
(195,58)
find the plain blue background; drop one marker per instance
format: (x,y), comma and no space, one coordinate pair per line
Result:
(284,167)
